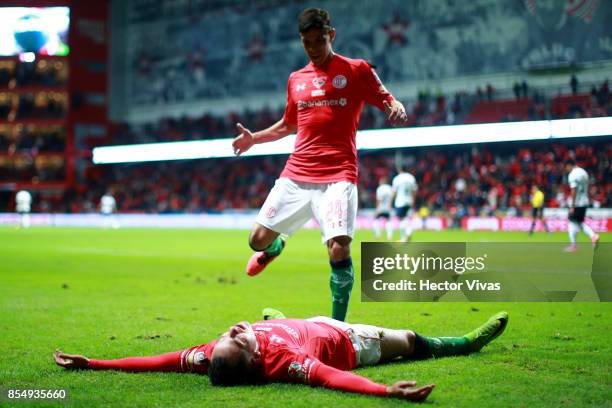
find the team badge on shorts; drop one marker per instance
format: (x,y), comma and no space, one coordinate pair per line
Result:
(339,81)
(270,212)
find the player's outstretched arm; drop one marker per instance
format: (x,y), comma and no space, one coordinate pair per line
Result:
(330,377)
(246,139)
(168,362)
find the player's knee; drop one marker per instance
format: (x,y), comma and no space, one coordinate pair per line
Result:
(410,338)
(339,248)
(259,239)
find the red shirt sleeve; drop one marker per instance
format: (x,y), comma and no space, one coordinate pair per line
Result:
(375,91)
(162,362)
(286,366)
(194,359)
(329,377)
(290,116)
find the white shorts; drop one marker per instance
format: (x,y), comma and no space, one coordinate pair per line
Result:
(365,339)
(291,204)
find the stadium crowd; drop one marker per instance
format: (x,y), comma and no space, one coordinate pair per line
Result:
(43,72)
(457,180)
(426,109)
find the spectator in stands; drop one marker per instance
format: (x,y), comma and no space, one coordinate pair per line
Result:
(396,30)
(574,84)
(516,88)
(490,91)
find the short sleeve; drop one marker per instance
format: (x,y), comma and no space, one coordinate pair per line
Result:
(572,180)
(375,91)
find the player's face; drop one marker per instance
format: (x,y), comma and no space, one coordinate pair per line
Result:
(238,344)
(317,44)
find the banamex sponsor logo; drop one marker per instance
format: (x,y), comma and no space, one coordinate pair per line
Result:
(342,102)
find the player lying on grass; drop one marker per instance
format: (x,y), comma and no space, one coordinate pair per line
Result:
(317,351)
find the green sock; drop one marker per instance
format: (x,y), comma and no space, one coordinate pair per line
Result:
(448,346)
(341,285)
(427,347)
(276,247)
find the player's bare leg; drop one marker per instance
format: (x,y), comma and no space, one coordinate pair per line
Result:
(268,244)
(342,274)
(405,229)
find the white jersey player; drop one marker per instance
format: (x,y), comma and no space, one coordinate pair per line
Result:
(23,201)
(578,180)
(108,206)
(404,190)
(384,200)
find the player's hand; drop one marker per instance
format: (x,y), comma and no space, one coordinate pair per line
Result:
(396,114)
(571,211)
(406,390)
(243,141)
(71,361)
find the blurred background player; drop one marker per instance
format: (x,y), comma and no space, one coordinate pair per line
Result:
(108,206)
(324,103)
(424,215)
(578,180)
(404,190)
(23,201)
(537,208)
(384,198)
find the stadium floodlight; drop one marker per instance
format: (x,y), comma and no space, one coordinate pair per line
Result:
(366,140)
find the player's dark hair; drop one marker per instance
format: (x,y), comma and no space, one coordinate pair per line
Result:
(570,162)
(314,18)
(222,373)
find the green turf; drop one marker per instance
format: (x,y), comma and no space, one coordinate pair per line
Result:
(110,293)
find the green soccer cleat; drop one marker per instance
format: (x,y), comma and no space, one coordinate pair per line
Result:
(484,334)
(271,314)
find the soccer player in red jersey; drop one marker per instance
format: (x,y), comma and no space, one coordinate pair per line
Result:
(317,351)
(324,102)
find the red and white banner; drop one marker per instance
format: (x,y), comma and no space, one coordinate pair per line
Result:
(524,224)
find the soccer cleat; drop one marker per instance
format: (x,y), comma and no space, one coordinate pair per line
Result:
(571,248)
(270,314)
(484,334)
(259,261)
(595,241)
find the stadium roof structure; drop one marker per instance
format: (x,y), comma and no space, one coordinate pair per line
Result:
(367,140)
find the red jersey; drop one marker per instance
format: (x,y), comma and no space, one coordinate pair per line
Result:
(314,353)
(325,104)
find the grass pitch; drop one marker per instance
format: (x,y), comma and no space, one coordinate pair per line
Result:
(114,293)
